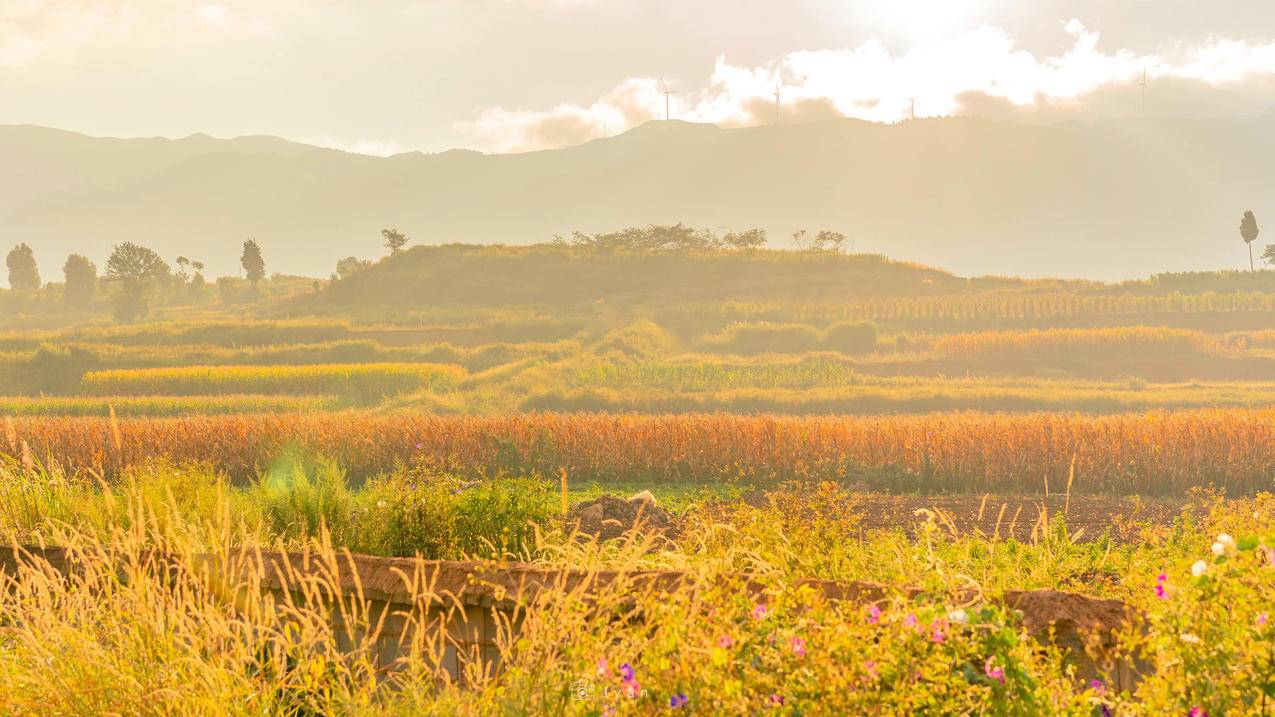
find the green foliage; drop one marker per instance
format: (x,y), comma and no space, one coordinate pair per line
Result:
(24,275)
(81,281)
(254,264)
(750,339)
(395,240)
(138,271)
(851,337)
(299,497)
(439,517)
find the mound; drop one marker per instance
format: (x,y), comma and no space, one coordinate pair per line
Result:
(610,516)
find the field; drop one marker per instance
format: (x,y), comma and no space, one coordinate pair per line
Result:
(921,446)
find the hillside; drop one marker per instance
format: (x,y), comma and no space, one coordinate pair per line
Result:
(973,196)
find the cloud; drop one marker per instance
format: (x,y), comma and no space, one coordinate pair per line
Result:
(980,71)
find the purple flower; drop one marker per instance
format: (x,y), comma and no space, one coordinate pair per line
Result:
(627,672)
(874,614)
(798,646)
(678,701)
(1098,687)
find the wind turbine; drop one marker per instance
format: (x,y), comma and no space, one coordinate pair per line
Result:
(667,92)
(1143,85)
(777,103)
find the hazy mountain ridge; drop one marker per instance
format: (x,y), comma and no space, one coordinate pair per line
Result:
(971,195)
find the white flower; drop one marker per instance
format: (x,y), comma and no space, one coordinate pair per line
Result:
(1226,539)
(1199,567)
(1189,639)
(1219,548)
(958,616)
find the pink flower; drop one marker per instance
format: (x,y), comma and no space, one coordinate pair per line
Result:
(777,700)
(992,671)
(1197,712)
(631,689)
(760,611)
(798,646)
(911,622)
(937,634)
(604,670)
(874,614)
(725,642)
(1098,687)
(871,668)
(1261,619)
(608,711)
(1160,592)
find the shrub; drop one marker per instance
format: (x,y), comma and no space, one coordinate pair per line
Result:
(760,338)
(851,337)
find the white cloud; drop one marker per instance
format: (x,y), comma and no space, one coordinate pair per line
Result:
(870,82)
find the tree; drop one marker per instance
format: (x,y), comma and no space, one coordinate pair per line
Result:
(349,265)
(136,269)
(24,275)
(395,240)
(254,265)
(801,240)
(1248,232)
(1269,254)
(829,241)
(81,280)
(747,239)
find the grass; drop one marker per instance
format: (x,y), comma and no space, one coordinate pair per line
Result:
(133,635)
(162,405)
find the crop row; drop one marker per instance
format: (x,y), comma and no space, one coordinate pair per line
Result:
(370,381)
(161,405)
(1157,453)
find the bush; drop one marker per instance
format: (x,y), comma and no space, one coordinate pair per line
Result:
(765,338)
(851,337)
(440,517)
(298,497)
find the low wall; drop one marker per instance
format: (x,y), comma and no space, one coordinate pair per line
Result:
(464,608)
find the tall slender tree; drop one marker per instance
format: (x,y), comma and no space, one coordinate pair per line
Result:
(254,265)
(1248,232)
(24,275)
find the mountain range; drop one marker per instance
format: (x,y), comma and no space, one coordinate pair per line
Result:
(1108,199)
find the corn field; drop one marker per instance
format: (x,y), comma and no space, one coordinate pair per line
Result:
(1154,454)
(341,379)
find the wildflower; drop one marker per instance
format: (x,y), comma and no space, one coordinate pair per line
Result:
(1160,590)
(874,614)
(1226,539)
(760,611)
(993,672)
(604,670)
(725,642)
(798,646)
(777,700)
(1197,712)
(937,631)
(608,711)
(871,668)
(632,689)
(1219,549)
(1199,568)
(1261,619)
(1098,687)
(911,622)
(1189,638)
(627,672)
(959,617)
(678,701)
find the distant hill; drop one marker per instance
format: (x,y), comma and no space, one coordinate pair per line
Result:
(548,275)
(1107,200)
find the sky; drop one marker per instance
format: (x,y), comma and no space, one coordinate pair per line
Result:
(387,76)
